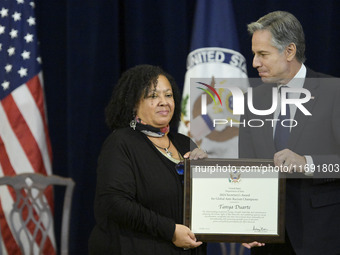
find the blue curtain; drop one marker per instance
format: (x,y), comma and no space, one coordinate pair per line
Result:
(86,44)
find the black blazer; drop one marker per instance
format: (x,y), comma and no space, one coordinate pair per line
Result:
(139,197)
(312,204)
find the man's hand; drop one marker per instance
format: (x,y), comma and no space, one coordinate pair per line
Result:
(291,161)
(184,238)
(196,154)
(253,244)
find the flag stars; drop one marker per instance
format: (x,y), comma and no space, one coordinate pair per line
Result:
(25,55)
(31,21)
(0,46)
(8,68)
(28,38)
(22,72)
(4,12)
(5,85)
(20,1)
(2,29)
(11,51)
(13,33)
(16,16)
(32,4)
(39,60)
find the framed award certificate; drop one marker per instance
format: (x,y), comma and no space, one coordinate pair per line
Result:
(234,200)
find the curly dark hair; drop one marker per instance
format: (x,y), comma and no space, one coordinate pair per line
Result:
(133,84)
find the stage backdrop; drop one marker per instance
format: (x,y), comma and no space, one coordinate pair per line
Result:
(86,44)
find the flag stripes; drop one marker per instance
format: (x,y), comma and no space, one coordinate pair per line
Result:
(36,89)
(24,139)
(8,195)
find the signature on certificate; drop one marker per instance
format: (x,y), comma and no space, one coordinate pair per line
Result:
(260,229)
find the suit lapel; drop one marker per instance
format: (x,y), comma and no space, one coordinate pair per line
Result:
(296,132)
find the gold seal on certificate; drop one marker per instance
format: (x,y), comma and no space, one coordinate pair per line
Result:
(234,200)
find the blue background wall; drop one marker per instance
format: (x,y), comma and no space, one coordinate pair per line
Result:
(86,44)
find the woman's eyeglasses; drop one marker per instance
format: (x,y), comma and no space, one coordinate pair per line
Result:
(180,168)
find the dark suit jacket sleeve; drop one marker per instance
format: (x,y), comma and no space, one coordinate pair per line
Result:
(325,160)
(116,198)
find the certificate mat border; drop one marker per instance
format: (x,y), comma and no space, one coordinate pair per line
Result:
(187,209)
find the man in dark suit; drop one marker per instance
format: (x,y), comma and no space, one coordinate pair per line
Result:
(311,142)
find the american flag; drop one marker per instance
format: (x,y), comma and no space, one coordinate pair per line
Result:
(24,140)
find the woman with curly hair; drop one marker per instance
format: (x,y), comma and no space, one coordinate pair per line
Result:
(139,193)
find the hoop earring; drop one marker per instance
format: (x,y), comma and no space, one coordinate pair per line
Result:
(133,122)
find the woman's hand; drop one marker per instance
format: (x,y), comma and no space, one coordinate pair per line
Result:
(197,153)
(184,238)
(253,244)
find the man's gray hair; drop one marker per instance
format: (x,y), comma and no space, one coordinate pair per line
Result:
(285,29)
